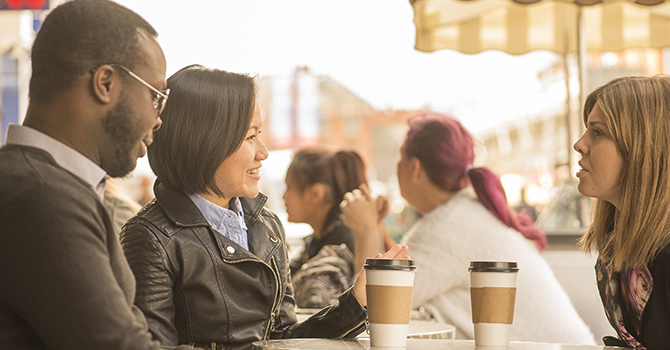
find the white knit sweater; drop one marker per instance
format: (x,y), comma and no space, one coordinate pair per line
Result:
(444,242)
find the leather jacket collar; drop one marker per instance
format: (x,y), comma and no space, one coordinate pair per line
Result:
(182,212)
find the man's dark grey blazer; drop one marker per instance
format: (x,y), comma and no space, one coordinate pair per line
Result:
(64,280)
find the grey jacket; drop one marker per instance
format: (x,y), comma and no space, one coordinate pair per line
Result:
(198,287)
(65,281)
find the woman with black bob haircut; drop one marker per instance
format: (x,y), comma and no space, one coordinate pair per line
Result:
(209,258)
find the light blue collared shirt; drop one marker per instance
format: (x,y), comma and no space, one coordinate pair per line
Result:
(228,222)
(66,157)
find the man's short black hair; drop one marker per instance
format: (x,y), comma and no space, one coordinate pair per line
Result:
(81,35)
(205,120)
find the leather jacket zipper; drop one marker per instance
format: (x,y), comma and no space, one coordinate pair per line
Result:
(275,304)
(343,335)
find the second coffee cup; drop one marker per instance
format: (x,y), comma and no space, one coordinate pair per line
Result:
(389,287)
(493,294)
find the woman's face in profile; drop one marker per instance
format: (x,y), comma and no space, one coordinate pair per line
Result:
(295,200)
(239,174)
(601,164)
(404,173)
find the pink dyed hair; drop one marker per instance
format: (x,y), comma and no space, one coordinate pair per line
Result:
(446,152)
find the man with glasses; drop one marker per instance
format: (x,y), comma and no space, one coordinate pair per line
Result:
(96,95)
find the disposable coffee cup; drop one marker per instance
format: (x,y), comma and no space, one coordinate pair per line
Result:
(389,287)
(492,294)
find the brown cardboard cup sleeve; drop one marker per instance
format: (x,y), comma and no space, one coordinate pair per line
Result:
(389,304)
(493,305)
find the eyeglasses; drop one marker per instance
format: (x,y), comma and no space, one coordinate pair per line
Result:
(161,96)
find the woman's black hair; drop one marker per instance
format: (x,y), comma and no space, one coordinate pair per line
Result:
(205,120)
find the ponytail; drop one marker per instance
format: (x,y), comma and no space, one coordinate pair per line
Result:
(492,195)
(348,173)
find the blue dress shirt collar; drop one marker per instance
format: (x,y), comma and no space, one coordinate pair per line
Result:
(228,222)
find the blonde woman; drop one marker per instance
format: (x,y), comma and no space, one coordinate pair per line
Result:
(625,166)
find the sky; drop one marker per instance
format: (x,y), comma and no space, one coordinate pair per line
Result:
(366,45)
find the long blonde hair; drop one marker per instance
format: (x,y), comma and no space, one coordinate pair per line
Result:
(637,114)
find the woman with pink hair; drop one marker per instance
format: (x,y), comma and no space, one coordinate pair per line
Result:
(465,217)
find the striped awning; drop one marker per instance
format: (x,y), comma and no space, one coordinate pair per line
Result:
(521,26)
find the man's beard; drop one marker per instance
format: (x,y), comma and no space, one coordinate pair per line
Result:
(121,127)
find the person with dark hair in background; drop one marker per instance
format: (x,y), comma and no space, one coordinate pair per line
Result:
(96,94)
(316,181)
(209,258)
(465,217)
(625,167)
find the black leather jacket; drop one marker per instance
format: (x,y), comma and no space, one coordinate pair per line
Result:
(195,286)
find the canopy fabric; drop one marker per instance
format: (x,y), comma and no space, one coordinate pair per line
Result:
(526,25)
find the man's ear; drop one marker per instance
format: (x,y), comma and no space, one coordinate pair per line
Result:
(316,193)
(103,82)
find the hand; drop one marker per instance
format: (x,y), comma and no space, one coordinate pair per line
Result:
(360,212)
(382,207)
(396,252)
(360,215)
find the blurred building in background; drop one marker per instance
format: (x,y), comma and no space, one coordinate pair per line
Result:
(536,145)
(304,109)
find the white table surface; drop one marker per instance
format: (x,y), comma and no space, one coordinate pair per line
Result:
(419,329)
(412,344)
